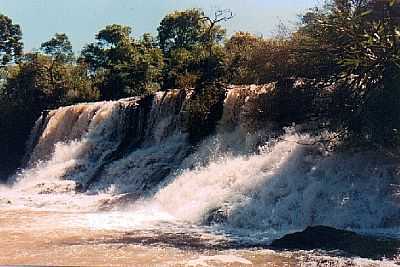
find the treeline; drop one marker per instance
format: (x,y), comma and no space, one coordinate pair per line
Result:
(346,55)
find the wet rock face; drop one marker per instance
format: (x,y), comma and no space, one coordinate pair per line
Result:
(328,238)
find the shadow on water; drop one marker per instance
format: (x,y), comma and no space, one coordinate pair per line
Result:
(189,241)
(324,240)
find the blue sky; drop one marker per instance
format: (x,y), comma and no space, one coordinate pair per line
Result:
(81,19)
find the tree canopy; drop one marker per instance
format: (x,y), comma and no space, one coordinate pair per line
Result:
(59,48)
(122,65)
(190,40)
(10,40)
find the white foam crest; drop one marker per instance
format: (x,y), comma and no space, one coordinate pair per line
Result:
(289,185)
(65,157)
(226,179)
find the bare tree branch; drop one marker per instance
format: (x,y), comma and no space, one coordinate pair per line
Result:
(219,16)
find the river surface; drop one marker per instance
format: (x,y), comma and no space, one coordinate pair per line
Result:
(34,237)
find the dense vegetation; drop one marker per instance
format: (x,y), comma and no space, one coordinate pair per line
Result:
(346,55)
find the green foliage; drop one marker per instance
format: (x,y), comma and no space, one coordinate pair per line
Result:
(59,48)
(191,45)
(187,69)
(10,40)
(114,35)
(187,29)
(41,82)
(241,50)
(255,60)
(361,40)
(122,66)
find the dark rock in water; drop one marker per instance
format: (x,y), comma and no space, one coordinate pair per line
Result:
(216,216)
(328,238)
(78,187)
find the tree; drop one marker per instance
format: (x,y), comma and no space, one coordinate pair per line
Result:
(214,32)
(114,35)
(58,60)
(358,42)
(181,29)
(251,59)
(121,65)
(240,51)
(191,43)
(111,46)
(59,48)
(189,28)
(24,97)
(37,83)
(10,40)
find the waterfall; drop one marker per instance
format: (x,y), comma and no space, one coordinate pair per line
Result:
(287,184)
(246,176)
(95,144)
(163,148)
(74,142)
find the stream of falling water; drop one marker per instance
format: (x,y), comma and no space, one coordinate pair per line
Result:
(117,184)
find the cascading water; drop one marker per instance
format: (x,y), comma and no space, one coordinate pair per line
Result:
(163,147)
(287,186)
(244,177)
(75,140)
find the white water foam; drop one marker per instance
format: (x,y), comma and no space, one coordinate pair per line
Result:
(223,259)
(287,186)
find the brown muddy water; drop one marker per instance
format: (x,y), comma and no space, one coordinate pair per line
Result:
(50,238)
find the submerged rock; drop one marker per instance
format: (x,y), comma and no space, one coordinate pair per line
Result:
(217,216)
(328,238)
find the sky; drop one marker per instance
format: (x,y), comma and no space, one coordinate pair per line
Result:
(81,19)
